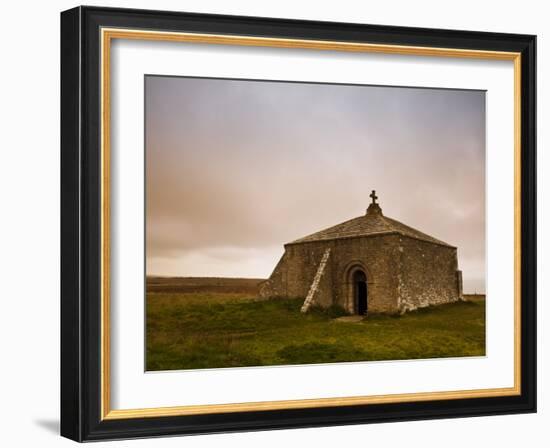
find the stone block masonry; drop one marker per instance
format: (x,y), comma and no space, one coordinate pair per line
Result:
(369,264)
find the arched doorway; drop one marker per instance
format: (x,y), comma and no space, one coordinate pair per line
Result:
(360,292)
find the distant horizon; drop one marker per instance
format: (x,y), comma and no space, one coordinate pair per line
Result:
(236,169)
(205,276)
(256,278)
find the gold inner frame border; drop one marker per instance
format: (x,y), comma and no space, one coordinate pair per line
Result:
(107,35)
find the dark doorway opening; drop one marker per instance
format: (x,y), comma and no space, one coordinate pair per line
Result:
(361,293)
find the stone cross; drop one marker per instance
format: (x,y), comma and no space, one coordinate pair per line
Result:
(373,196)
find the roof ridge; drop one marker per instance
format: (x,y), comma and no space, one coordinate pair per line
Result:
(385,219)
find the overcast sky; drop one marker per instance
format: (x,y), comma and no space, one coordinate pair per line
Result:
(235,169)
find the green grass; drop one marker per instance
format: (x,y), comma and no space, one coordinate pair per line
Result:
(212,330)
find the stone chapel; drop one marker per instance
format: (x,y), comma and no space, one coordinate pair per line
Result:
(369,264)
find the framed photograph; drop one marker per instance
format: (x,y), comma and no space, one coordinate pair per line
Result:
(271,223)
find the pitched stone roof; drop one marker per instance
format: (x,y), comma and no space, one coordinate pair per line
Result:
(372,223)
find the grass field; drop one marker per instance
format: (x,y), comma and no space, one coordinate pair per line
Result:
(190,327)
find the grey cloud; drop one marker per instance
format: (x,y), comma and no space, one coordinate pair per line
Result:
(241,167)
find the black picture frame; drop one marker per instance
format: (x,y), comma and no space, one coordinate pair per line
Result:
(81,227)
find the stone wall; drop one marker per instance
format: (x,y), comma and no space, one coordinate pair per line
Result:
(325,292)
(428,274)
(403,273)
(374,255)
(275,285)
(377,256)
